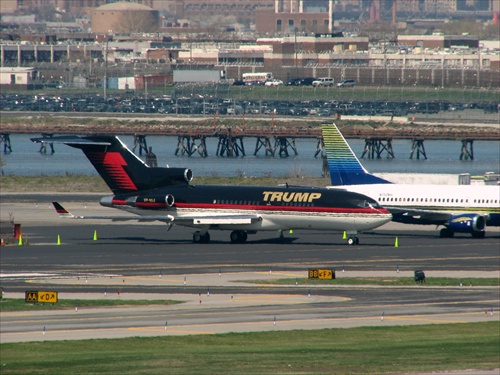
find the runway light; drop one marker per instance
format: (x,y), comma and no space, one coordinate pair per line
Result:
(382,317)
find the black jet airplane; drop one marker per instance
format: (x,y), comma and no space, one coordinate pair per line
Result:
(165,194)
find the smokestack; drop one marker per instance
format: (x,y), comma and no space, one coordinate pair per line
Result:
(394,6)
(330,16)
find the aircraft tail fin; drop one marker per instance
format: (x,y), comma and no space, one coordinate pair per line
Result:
(119,167)
(344,166)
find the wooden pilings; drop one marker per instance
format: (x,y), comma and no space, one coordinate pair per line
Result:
(189,144)
(467,149)
(5,139)
(374,147)
(418,145)
(264,142)
(140,140)
(43,145)
(229,145)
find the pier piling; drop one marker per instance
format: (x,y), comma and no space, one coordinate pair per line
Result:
(376,146)
(418,145)
(140,140)
(43,145)
(5,139)
(467,149)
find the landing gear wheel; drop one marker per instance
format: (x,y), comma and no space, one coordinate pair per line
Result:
(198,237)
(478,234)
(205,238)
(353,240)
(446,233)
(238,236)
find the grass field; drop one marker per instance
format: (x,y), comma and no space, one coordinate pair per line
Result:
(391,350)
(16,304)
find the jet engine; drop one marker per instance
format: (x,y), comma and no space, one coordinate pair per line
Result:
(159,177)
(151,202)
(465,223)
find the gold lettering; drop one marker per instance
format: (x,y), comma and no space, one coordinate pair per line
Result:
(301,197)
(267,194)
(314,196)
(290,196)
(276,196)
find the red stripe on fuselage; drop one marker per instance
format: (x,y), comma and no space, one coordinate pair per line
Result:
(261,208)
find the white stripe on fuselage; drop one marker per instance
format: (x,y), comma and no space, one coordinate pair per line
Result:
(445,198)
(275,220)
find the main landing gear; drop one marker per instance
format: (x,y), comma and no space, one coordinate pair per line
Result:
(199,237)
(448,233)
(237,236)
(353,240)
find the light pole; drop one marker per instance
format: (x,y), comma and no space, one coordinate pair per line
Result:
(106,69)
(106,65)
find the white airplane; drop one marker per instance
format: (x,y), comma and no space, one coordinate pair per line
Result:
(459,208)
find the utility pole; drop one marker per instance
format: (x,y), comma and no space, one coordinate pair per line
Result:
(106,68)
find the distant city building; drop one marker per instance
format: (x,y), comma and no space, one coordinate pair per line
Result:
(17,78)
(124,17)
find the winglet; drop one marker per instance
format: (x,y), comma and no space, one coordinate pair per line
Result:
(62,211)
(345,168)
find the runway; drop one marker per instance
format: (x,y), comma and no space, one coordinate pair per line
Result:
(144,261)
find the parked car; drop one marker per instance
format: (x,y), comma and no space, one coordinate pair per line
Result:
(347,83)
(293,82)
(323,82)
(307,81)
(274,82)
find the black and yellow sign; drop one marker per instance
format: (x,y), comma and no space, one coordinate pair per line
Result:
(321,274)
(43,297)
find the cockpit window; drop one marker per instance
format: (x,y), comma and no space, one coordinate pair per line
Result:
(367,204)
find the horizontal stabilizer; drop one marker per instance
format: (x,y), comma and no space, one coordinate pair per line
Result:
(71,140)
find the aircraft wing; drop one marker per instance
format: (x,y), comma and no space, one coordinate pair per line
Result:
(217,219)
(171,219)
(64,213)
(419,215)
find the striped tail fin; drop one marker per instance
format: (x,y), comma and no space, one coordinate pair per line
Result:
(119,167)
(344,166)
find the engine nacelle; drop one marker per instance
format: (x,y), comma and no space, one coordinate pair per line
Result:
(151,202)
(467,223)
